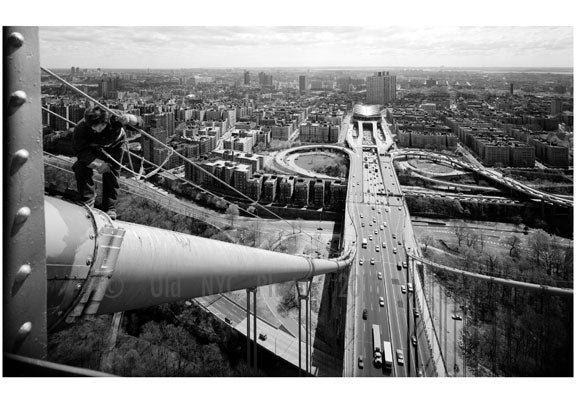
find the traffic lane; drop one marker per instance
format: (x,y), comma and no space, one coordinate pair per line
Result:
(397,329)
(398,314)
(371,291)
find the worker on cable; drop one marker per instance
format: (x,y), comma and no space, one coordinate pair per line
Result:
(97,143)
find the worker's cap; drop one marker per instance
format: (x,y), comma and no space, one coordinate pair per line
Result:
(95,115)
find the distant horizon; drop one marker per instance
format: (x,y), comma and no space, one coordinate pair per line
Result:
(225,47)
(344,68)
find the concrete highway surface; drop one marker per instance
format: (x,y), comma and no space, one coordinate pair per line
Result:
(379,215)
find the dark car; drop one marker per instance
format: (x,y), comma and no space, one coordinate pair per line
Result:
(262,336)
(365,314)
(456,317)
(227,320)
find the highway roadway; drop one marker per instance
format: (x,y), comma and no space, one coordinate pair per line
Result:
(380,219)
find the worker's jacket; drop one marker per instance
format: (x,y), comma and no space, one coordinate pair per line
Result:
(86,143)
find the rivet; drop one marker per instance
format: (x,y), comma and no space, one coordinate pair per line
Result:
(24,331)
(91,236)
(18,98)
(23,272)
(88,261)
(15,39)
(22,215)
(20,218)
(19,159)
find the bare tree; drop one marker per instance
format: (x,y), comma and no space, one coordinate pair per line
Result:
(538,242)
(426,240)
(460,230)
(232,212)
(513,242)
(471,239)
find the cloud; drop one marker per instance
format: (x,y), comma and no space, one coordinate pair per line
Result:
(342,45)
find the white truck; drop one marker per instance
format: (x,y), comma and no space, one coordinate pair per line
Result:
(377,346)
(388,355)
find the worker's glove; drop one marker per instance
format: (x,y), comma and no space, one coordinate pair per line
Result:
(101,166)
(127,119)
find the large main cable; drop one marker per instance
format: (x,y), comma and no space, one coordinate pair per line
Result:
(142,132)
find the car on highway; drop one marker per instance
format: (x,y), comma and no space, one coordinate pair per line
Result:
(361,216)
(227,320)
(262,336)
(365,314)
(377,248)
(381,301)
(394,236)
(385,224)
(403,289)
(398,266)
(404,265)
(456,317)
(319,228)
(410,288)
(375,232)
(379,275)
(363,225)
(373,219)
(381,227)
(394,250)
(400,357)
(361,262)
(370,237)
(370,224)
(360,362)
(399,208)
(414,341)
(383,244)
(372,261)
(387,209)
(416,313)
(399,242)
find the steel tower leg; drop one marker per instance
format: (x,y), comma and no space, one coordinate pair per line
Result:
(25,274)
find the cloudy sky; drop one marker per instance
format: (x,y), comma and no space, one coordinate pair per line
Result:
(297,46)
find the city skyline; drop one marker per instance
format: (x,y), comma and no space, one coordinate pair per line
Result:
(311,46)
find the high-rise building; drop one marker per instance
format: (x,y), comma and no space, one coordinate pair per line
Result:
(380,88)
(265,80)
(246,77)
(556,106)
(303,84)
